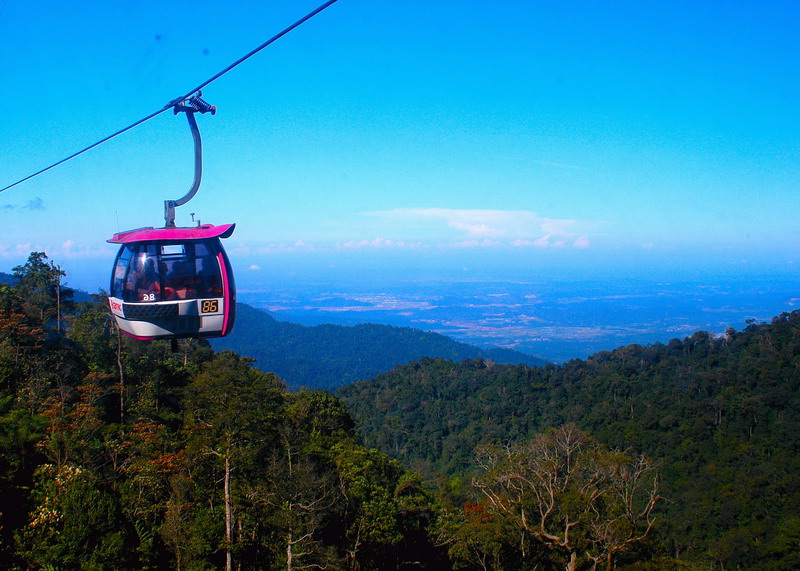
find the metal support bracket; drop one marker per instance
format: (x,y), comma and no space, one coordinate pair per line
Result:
(189,106)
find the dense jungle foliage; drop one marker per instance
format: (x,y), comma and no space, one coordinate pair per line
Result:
(330,356)
(719,415)
(119,454)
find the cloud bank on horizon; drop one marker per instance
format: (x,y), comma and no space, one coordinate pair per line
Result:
(493,228)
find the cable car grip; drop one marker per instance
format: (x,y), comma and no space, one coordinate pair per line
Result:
(190,106)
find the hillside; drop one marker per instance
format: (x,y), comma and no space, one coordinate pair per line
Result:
(329,356)
(122,454)
(119,453)
(720,415)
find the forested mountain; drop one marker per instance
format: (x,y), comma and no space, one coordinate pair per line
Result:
(720,416)
(120,454)
(329,356)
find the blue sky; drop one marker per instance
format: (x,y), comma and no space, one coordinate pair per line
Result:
(450,136)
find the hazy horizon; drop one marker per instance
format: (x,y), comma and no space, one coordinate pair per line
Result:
(555,311)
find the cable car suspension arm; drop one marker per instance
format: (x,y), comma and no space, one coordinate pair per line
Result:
(189,106)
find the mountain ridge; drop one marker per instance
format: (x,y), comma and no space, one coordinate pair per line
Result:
(720,415)
(329,356)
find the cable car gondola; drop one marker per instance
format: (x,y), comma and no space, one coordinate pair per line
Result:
(173,282)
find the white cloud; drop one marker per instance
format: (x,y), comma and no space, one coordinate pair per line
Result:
(70,250)
(480,228)
(25,249)
(245,249)
(471,244)
(377,243)
(582,243)
(16,251)
(430,229)
(254,267)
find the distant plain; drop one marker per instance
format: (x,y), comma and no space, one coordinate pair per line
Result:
(554,319)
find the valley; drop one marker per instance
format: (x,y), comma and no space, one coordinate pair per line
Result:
(553,319)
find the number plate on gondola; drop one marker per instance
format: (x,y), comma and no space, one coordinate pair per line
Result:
(209,306)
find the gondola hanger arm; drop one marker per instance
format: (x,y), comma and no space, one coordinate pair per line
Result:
(190,106)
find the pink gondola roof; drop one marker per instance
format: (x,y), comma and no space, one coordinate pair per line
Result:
(193,233)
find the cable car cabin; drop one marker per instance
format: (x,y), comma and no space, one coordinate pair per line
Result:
(170,283)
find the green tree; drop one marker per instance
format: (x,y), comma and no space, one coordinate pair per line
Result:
(295,497)
(582,501)
(388,513)
(21,341)
(230,409)
(75,523)
(39,284)
(20,431)
(477,538)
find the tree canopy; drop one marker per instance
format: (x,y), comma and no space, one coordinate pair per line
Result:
(119,453)
(718,415)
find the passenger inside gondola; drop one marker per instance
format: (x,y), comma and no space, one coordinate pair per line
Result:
(147,283)
(168,272)
(208,278)
(181,282)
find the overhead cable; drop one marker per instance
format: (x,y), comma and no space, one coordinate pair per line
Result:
(178,100)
